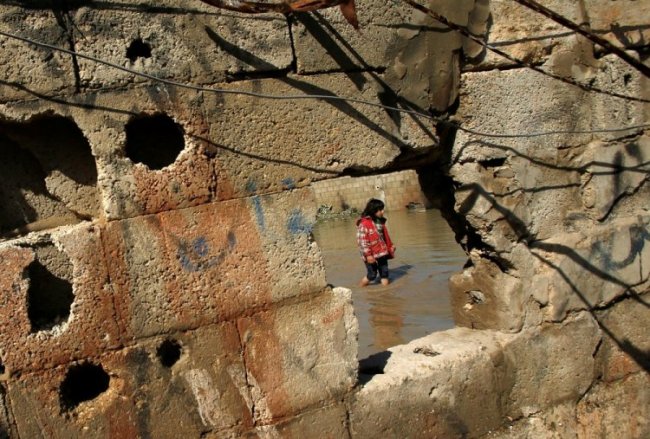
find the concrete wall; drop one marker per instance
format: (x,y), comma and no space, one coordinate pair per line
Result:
(396,190)
(159,277)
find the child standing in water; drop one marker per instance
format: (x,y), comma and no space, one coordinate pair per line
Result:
(374,242)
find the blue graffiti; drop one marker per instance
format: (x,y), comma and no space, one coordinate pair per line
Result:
(288,183)
(297,224)
(638,237)
(251,186)
(259,212)
(194,256)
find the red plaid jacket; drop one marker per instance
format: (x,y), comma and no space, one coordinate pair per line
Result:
(370,242)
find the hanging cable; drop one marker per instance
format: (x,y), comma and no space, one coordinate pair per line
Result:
(439,120)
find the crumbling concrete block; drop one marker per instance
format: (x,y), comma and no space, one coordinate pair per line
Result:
(576,272)
(326,422)
(484,297)
(184,384)
(187,268)
(616,409)
(525,34)
(625,345)
(50,315)
(506,193)
(549,365)
(184,41)
(441,385)
(557,422)
(29,70)
(621,22)
(614,171)
(323,138)
(300,355)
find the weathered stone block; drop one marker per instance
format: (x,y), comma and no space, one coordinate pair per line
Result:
(441,385)
(185,41)
(625,345)
(285,222)
(265,153)
(613,171)
(7,424)
(83,327)
(525,34)
(557,422)
(549,365)
(394,36)
(621,22)
(507,179)
(148,390)
(128,185)
(186,268)
(484,297)
(30,70)
(301,354)
(191,267)
(576,272)
(619,409)
(328,422)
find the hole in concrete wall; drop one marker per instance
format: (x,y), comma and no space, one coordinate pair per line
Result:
(83,382)
(493,162)
(154,140)
(138,49)
(49,177)
(627,78)
(416,302)
(169,352)
(49,296)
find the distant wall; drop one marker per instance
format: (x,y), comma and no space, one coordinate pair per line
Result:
(396,189)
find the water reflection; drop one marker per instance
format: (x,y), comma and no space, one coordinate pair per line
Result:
(416,302)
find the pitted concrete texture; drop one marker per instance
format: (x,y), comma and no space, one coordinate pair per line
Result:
(220,258)
(187,41)
(34,70)
(221,379)
(483,297)
(622,353)
(187,296)
(600,415)
(524,33)
(441,385)
(91,327)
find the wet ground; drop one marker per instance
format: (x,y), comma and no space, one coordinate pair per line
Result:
(416,302)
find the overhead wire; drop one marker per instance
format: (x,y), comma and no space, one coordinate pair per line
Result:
(416,113)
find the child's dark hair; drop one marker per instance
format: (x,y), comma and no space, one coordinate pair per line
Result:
(374,205)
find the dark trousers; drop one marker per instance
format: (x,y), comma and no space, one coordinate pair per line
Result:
(380,266)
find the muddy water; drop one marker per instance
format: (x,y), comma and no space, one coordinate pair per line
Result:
(416,302)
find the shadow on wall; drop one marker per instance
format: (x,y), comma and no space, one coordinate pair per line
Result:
(48,173)
(387,96)
(639,238)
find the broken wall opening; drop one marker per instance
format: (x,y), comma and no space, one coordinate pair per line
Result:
(83,382)
(154,140)
(50,295)
(419,210)
(49,174)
